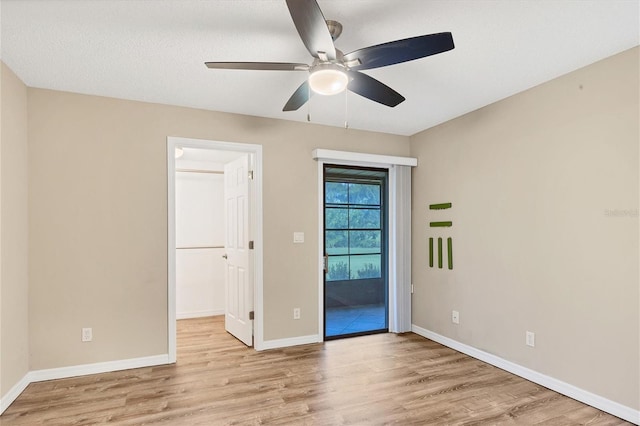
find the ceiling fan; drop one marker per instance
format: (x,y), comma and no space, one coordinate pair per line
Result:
(331,71)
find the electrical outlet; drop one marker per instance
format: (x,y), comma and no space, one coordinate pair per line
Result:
(531,339)
(87,334)
(455,317)
(296,313)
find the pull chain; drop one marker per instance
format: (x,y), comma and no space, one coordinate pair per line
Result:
(346,109)
(308,103)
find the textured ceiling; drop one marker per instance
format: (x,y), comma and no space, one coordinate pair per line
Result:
(155,51)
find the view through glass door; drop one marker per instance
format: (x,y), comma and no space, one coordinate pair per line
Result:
(355,248)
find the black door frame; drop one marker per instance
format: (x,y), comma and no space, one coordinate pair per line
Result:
(354,174)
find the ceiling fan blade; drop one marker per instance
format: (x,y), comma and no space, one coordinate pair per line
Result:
(395,52)
(370,88)
(258,66)
(312,27)
(299,97)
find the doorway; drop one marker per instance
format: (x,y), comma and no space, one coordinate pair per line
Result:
(251,301)
(356,290)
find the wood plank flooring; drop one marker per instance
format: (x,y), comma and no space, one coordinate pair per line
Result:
(371,380)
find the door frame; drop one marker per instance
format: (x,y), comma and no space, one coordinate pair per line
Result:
(399,208)
(255,213)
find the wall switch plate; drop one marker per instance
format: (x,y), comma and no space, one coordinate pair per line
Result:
(298,237)
(296,313)
(531,339)
(455,317)
(87,334)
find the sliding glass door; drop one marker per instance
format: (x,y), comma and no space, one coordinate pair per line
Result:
(355,247)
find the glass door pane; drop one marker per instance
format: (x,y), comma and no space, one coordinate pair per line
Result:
(355,238)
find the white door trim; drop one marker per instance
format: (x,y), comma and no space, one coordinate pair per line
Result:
(256,226)
(399,280)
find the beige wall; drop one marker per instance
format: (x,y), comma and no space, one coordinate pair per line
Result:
(14,341)
(98,220)
(533,180)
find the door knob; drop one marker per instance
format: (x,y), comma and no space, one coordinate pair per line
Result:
(224,256)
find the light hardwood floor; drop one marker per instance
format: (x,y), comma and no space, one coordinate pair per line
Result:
(371,380)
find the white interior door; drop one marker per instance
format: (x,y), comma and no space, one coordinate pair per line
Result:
(238,276)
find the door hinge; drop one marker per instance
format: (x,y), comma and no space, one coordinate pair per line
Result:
(251,174)
(250,245)
(251,315)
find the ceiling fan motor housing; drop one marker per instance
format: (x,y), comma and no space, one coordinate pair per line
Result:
(335,29)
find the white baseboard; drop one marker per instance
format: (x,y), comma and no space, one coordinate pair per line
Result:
(599,402)
(78,370)
(199,314)
(99,367)
(14,393)
(283,343)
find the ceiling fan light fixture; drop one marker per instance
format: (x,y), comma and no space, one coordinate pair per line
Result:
(328,79)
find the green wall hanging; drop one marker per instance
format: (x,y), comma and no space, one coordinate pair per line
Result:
(440,206)
(440,224)
(431,252)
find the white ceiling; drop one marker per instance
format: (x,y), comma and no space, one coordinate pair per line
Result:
(155,51)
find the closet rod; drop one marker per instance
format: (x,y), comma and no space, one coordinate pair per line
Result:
(194,248)
(200,171)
